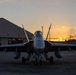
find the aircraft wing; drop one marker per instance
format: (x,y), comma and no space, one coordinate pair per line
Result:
(24,47)
(59,46)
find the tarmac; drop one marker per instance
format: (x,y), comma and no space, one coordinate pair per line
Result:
(64,66)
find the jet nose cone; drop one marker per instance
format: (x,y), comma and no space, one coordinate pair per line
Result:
(39,47)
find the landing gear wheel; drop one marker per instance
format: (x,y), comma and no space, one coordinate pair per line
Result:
(51,60)
(36,62)
(40,62)
(23,59)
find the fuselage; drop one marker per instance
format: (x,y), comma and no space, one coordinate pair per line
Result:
(38,43)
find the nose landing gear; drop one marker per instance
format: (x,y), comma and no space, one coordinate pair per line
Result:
(38,62)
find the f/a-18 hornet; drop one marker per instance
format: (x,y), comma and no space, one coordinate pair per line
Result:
(38,47)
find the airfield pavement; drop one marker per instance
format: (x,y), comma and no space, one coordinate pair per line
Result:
(64,66)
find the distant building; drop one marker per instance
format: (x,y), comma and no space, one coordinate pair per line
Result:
(11,33)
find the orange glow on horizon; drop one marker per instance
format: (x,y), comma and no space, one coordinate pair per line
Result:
(62,38)
(57,32)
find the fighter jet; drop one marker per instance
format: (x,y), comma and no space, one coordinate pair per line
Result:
(38,47)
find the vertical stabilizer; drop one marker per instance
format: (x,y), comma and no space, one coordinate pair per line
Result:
(48,32)
(25,34)
(42,30)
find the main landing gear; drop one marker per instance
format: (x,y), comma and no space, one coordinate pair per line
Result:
(51,60)
(26,59)
(23,59)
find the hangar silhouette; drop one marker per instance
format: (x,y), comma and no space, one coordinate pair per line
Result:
(11,33)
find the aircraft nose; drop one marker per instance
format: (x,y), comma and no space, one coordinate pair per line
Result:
(39,46)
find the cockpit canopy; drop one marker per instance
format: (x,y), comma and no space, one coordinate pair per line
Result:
(38,34)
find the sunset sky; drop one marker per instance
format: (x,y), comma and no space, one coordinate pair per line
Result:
(36,13)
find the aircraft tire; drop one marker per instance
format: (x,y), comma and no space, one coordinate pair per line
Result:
(36,62)
(40,62)
(23,59)
(51,60)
